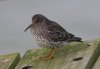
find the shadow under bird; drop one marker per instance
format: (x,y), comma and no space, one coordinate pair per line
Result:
(49,34)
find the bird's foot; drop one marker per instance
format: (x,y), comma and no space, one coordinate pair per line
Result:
(45,58)
(50,55)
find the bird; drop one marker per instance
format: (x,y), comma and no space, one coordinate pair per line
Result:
(50,34)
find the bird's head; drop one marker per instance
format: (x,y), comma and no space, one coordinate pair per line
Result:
(36,20)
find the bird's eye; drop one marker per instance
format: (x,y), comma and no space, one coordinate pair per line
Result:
(36,20)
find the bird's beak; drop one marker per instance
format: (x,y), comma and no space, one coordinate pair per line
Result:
(28,27)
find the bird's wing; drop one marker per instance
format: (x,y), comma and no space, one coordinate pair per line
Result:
(57,33)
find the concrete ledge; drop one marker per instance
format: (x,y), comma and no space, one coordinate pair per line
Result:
(72,56)
(9,61)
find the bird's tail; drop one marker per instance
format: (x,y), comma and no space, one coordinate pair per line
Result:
(73,38)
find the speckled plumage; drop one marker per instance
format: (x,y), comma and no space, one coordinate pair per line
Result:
(49,34)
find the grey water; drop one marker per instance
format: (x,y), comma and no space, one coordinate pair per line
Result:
(80,17)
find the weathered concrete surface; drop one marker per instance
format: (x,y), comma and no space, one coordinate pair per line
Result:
(97,64)
(9,61)
(93,58)
(63,58)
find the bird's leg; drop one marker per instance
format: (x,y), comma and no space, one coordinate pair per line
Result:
(50,55)
(47,55)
